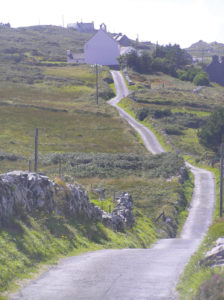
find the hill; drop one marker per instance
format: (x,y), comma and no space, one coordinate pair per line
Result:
(204,51)
(39,43)
(175,112)
(79,141)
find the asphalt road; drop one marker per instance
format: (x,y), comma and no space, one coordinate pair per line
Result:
(148,137)
(130,274)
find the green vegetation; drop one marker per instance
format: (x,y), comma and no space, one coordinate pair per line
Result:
(178,116)
(172,109)
(204,51)
(78,141)
(194,74)
(201,281)
(39,44)
(166,59)
(43,238)
(201,78)
(211,134)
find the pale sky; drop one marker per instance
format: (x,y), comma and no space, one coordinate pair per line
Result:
(167,21)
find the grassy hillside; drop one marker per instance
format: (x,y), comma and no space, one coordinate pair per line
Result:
(205,51)
(37,238)
(78,141)
(172,108)
(175,113)
(39,43)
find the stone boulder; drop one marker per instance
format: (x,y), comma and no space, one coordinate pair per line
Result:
(24,192)
(215,257)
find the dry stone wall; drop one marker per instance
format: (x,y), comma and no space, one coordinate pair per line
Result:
(24,192)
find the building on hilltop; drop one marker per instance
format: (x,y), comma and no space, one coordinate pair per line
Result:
(216,70)
(5,25)
(122,39)
(82,27)
(102,48)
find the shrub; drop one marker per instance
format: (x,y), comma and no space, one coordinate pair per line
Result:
(142,113)
(201,79)
(212,288)
(212,133)
(188,74)
(158,114)
(173,130)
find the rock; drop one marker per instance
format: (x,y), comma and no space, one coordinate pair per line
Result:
(215,257)
(23,192)
(183,175)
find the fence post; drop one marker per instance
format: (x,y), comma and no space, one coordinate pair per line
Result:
(36,151)
(30,166)
(221,180)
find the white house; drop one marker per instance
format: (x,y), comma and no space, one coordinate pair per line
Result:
(102,49)
(82,27)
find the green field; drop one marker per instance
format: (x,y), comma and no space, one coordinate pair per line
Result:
(175,114)
(173,109)
(81,142)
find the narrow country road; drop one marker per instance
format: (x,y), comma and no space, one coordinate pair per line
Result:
(130,274)
(148,137)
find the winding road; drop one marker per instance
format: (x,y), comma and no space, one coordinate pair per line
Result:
(130,274)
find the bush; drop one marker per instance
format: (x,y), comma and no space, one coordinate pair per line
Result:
(201,79)
(188,74)
(212,288)
(174,130)
(140,63)
(158,114)
(212,133)
(142,113)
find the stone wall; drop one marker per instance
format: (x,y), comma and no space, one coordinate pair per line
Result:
(24,192)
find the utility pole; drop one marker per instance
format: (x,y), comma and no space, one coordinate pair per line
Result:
(97,88)
(36,151)
(221,180)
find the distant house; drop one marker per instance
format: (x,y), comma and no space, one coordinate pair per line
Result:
(5,25)
(127,50)
(102,48)
(82,27)
(123,40)
(216,70)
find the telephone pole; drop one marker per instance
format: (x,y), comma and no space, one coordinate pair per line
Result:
(36,151)
(221,180)
(97,87)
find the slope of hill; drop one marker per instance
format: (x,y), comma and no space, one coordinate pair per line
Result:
(39,43)
(205,51)
(175,113)
(78,140)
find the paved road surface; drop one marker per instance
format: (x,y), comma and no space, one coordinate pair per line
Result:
(130,274)
(148,137)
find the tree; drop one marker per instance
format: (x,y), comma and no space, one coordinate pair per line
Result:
(174,54)
(211,134)
(141,63)
(201,79)
(145,63)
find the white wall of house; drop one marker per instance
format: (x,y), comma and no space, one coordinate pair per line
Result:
(102,49)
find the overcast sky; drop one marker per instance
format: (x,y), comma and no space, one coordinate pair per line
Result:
(166,21)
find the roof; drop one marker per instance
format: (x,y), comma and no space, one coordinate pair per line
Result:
(106,33)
